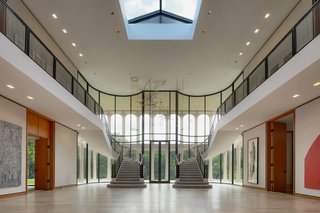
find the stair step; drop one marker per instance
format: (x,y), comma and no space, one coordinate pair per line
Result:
(127,185)
(192,186)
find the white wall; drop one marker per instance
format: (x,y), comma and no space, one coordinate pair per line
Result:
(283,29)
(20,8)
(65,156)
(260,132)
(15,114)
(307,129)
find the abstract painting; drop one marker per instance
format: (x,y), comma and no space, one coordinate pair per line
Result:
(253,160)
(10,154)
(312,166)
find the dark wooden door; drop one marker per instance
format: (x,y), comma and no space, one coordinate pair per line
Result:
(41,168)
(279,156)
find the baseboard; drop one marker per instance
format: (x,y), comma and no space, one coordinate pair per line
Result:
(66,186)
(307,196)
(13,195)
(254,187)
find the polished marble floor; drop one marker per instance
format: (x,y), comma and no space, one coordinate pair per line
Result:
(96,198)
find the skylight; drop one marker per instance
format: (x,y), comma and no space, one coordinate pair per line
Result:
(160,19)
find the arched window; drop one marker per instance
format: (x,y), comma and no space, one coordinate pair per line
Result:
(127,127)
(116,124)
(159,127)
(202,127)
(146,127)
(173,126)
(188,124)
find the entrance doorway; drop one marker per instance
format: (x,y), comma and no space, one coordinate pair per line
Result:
(280,153)
(159,163)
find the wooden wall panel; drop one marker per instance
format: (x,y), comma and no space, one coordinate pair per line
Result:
(44,128)
(33,123)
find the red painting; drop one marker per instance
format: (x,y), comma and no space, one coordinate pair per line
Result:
(312,166)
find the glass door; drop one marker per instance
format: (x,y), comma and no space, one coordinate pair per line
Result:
(159,161)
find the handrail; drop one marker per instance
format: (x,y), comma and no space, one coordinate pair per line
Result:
(141,162)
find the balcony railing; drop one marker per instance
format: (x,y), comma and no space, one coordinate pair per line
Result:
(307,28)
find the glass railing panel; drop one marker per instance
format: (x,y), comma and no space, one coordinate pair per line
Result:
(238,81)
(40,54)
(229,103)
(63,76)
(304,31)
(82,81)
(90,103)
(2,18)
(241,92)
(79,92)
(15,30)
(280,55)
(94,93)
(257,77)
(226,93)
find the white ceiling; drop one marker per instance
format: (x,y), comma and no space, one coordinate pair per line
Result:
(201,66)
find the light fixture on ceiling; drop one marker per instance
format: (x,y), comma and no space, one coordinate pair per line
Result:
(241,53)
(64,31)
(295,96)
(80,54)
(256,30)
(241,125)
(267,15)
(316,84)
(237,128)
(10,86)
(210,12)
(134,79)
(112,13)
(83,127)
(74,44)
(204,31)
(54,16)
(30,97)
(248,43)
(78,125)
(117,31)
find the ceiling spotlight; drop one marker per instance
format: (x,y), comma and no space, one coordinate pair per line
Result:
(74,44)
(30,97)
(117,31)
(54,16)
(83,127)
(248,43)
(65,31)
(10,86)
(209,12)
(204,31)
(134,79)
(267,15)
(80,54)
(237,128)
(241,125)
(241,53)
(256,31)
(316,84)
(78,125)
(295,96)
(112,13)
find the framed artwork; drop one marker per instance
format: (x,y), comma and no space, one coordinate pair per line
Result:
(10,154)
(253,160)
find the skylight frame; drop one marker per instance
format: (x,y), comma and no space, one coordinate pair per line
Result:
(160,12)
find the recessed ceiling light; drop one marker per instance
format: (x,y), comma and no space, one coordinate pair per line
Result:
(267,15)
(112,13)
(74,44)
(210,12)
(54,16)
(83,127)
(295,96)
(204,31)
(80,54)
(316,84)
(237,128)
(248,43)
(241,53)
(78,125)
(117,31)
(256,31)
(241,125)
(30,97)
(10,86)
(65,31)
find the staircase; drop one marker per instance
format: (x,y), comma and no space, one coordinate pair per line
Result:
(191,176)
(128,175)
